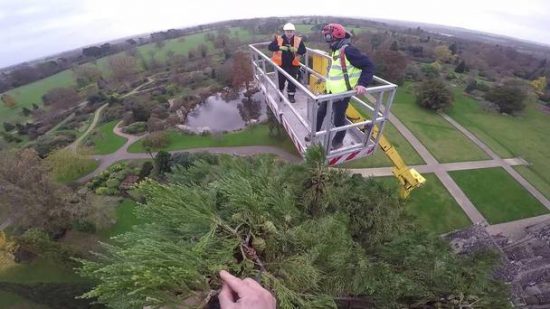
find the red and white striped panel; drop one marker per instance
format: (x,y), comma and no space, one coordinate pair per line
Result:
(351,156)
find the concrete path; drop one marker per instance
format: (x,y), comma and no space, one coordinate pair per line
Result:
(74,145)
(467,206)
(428,169)
(122,154)
(504,163)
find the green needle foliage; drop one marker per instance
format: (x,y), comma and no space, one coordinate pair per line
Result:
(314,236)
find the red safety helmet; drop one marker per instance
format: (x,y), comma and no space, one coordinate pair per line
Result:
(333,32)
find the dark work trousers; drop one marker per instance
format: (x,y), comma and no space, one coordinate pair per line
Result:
(293,71)
(339,112)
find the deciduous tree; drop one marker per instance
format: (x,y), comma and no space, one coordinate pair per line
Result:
(9,101)
(242,70)
(123,68)
(509,96)
(434,94)
(30,197)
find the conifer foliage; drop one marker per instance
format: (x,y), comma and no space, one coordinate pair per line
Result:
(313,236)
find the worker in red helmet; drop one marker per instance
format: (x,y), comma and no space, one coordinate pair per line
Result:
(287,51)
(350,70)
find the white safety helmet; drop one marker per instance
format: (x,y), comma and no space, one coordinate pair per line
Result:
(289,27)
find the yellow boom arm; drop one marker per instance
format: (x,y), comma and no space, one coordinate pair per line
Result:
(408,177)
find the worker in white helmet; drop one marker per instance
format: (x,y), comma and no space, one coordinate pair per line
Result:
(287,51)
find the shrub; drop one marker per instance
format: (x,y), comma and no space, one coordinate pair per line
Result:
(156,140)
(8,126)
(84,226)
(102,191)
(146,169)
(112,183)
(509,96)
(136,127)
(433,94)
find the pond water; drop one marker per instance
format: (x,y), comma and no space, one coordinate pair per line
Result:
(217,115)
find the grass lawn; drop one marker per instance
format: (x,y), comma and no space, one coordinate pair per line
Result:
(444,142)
(251,136)
(525,135)
(497,195)
(14,301)
(105,141)
(72,175)
(433,206)
(125,219)
(40,270)
(303,28)
(31,93)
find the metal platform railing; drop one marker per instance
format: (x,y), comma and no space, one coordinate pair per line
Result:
(300,122)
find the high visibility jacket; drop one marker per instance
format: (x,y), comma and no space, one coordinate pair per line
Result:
(336,82)
(278,55)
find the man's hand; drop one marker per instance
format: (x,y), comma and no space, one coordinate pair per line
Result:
(293,49)
(285,48)
(247,293)
(360,90)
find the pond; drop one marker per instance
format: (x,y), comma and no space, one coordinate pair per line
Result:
(218,115)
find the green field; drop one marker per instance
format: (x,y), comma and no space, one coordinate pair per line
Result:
(31,93)
(125,219)
(433,206)
(444,142)
(105,141)
(525,135)
(251,136)
(72,175)
(497,195)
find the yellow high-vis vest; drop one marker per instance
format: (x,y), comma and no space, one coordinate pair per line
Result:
(336,82)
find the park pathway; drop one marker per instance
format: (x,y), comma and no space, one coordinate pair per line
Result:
(504,164)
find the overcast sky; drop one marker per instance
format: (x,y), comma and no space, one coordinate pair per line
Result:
(36,28)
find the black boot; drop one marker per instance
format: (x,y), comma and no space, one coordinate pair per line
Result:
(291,98)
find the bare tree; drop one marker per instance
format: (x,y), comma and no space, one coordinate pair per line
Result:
(61,98)
(124,68)
(86,74)
(30,197)
(9,101)
(242,70)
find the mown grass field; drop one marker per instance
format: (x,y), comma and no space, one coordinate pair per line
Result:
(251,136)
(105,140)
(433,207)
(524,135)
(125,220)
(31,93)
(444,142)
(497,195)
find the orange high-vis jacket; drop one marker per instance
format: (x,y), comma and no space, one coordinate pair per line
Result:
(278,55)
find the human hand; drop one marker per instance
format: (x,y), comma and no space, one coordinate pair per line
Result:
(360,90)
(293,49)
(247,293)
